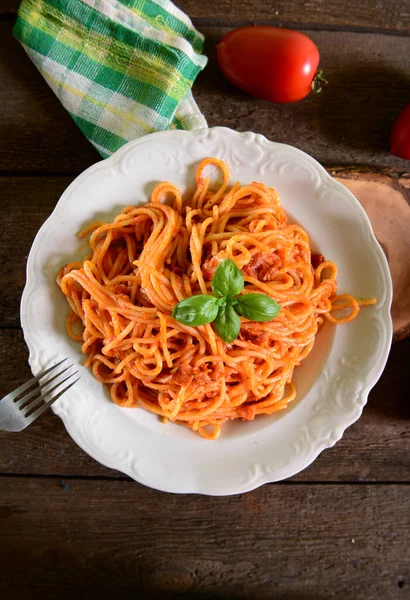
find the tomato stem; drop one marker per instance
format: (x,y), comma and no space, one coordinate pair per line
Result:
(318,82)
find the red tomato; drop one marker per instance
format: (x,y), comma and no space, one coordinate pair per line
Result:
(272,63)
(400,134)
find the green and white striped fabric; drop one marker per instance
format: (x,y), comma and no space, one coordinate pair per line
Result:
(121,68)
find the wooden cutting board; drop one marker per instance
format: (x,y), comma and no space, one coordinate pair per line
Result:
(385,196)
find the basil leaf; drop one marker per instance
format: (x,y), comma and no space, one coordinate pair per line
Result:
(227,279)
(227,324)
(196,310)
(222,302)
(257,307)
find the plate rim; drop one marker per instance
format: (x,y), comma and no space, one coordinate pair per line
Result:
(260,478)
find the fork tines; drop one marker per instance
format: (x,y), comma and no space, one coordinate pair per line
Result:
(40,394)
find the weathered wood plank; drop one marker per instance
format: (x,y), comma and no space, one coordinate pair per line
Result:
(376,448)
(26,203)
(36,133)
(117,537)
(348,123)
(312,542)
(45,447)
(391,15)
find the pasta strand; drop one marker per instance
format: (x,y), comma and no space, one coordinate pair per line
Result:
(153,256)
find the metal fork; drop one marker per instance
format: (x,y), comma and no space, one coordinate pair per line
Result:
(16,409)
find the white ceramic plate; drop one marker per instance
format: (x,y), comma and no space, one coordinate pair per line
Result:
(333,383)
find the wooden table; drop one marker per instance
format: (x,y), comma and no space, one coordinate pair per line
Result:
(341,528)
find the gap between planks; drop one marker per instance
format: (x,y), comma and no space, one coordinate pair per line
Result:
(123,478)
(233,24)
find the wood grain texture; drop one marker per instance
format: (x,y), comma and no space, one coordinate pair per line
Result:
(384,15)
(26,204)
(36,133)
(376,448)
(284,542)
(87,531)
(336,127)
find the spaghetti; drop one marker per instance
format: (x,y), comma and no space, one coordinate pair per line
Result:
(155,255)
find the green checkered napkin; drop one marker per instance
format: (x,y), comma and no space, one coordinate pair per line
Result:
(122,68)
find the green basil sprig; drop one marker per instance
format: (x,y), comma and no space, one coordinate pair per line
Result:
(227,280)
(227,324)
(223,309)
(196,310)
